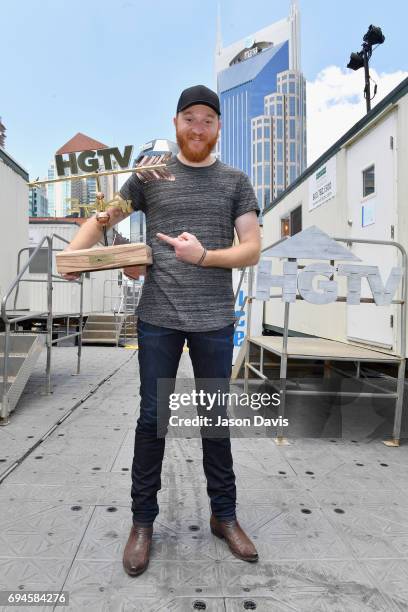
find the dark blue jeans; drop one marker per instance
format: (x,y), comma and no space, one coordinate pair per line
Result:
(160,349)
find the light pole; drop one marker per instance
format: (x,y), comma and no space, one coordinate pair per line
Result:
(373,36)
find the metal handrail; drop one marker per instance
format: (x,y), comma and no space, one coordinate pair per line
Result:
(7,321)
(402,302)
(33,280)
(133,284)
(109,297)
(401,357)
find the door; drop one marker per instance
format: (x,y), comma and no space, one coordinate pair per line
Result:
(372,205)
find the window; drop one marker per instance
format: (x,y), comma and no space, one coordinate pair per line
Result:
(285,227)
(267,152)
(259,133)
(279,110)
(296,221)
(368,181)
(292,173)
(259,151)
(279,128)
(292,103)
(259,197)
(292,87)
(279,151)
(259,175)
(292,152)
(285,88)
(267,175)
(292,129)
(267,197)
(292,223)
(267,130)
(39,265)
(279,174)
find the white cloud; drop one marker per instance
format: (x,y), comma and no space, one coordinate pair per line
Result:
(335,102)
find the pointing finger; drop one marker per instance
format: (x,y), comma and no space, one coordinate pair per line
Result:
(168,239)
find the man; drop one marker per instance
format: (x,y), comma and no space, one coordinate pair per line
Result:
(187,295)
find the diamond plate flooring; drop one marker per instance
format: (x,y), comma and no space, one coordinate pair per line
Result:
(329,517)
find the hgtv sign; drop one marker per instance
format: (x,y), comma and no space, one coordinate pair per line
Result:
(316,283)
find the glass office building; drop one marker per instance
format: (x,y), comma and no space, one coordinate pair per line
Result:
(263,106)
(38,203)
(242,88)
(279,138)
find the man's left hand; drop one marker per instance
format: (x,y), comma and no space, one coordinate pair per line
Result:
(186,246)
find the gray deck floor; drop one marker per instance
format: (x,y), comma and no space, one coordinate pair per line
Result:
(329,518)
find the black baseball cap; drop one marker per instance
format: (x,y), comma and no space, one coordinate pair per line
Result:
(199,94)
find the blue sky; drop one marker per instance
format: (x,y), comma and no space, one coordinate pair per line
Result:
(114,69)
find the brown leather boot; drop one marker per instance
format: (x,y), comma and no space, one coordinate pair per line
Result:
(137,549)
(239,543)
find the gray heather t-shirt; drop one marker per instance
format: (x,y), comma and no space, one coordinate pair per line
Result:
(204,201)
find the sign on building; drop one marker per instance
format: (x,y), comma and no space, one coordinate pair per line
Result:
(322,184)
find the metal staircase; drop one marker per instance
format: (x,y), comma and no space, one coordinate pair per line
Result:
(131,292)
(19,350)
(103,328)
(110,327)
(23,352)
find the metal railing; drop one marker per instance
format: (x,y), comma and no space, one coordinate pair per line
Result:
(117,297)
(399,358)
(126,307)
(8,322)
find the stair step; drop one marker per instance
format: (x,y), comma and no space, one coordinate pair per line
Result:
(24,352)
(99,341)
(104,318)
(96,334)
(102,326)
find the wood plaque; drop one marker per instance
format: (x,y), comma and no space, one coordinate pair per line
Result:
(104,258)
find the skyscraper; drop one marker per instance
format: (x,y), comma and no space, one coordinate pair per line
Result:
(37,199)
(263,106)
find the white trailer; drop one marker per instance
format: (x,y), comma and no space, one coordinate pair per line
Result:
(356,189)
(101,289)
(14,219)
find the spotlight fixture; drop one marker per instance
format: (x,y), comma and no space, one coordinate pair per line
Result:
(374,36)
(360,59)
(356,61)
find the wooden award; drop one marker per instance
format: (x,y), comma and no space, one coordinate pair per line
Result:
(104,258)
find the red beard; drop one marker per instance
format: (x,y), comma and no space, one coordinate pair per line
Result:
(195,156)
